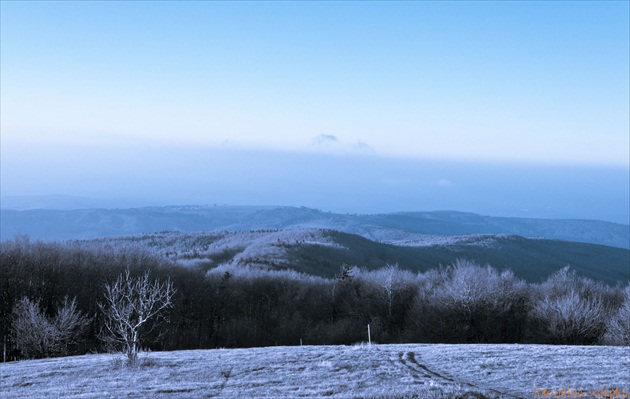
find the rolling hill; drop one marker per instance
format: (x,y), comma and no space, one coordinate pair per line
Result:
(406,228)
(322,252)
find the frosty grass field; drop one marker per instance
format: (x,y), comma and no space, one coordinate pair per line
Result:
(359,371)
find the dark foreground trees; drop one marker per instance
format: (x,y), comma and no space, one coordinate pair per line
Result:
(467,303)
(243,307)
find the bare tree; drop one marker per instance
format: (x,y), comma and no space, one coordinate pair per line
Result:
(68,325)
(387,286)
(30,329)
(476,302)
(390,282)
(618,325)
(130,303)
(37,335)
(571,318)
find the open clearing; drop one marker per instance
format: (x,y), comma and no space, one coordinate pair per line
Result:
(360,371)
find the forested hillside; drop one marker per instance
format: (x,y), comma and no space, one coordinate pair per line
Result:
(321,252)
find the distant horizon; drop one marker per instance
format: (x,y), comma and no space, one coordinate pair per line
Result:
(515,109)
(56,203)
(330,182)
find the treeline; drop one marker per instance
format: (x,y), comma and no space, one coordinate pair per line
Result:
(229,307)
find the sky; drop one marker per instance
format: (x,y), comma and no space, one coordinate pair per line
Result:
(496,107)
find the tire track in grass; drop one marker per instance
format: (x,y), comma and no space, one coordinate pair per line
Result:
(409,360)
(420,371)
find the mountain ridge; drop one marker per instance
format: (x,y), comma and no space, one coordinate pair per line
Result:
(397,227)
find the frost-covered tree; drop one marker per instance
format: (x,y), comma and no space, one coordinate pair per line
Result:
(38,336)
(393,290)
(466,302)
(571,318)
(568,309)
(388,288)
(618,326)
(131,307)
(31,331)
(69,324)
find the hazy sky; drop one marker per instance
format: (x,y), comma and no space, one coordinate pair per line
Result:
(544,84)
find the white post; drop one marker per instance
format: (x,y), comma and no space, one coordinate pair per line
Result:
(369,337)
(300,341)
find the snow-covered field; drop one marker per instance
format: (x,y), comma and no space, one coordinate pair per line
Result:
(360,371)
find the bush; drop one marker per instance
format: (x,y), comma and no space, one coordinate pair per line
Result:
(568,309)
(618,326)
(570,318)
(35,335)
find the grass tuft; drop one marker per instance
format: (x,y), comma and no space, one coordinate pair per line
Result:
(123,362)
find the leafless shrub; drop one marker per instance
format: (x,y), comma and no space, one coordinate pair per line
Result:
(618,326)
(570,318)
(38,336)
(568,309)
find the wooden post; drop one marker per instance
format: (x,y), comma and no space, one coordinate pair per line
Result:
(369,337)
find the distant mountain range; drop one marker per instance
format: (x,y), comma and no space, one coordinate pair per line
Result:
(404,228)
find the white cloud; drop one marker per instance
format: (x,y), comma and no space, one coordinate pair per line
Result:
(364,148)
(325,140)
(445,183)
(329,143)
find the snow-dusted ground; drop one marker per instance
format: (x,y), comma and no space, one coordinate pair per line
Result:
(361,371)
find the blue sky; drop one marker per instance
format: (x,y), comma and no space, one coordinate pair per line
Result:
(505,83)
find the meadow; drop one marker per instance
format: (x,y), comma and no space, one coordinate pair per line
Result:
(357,371)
